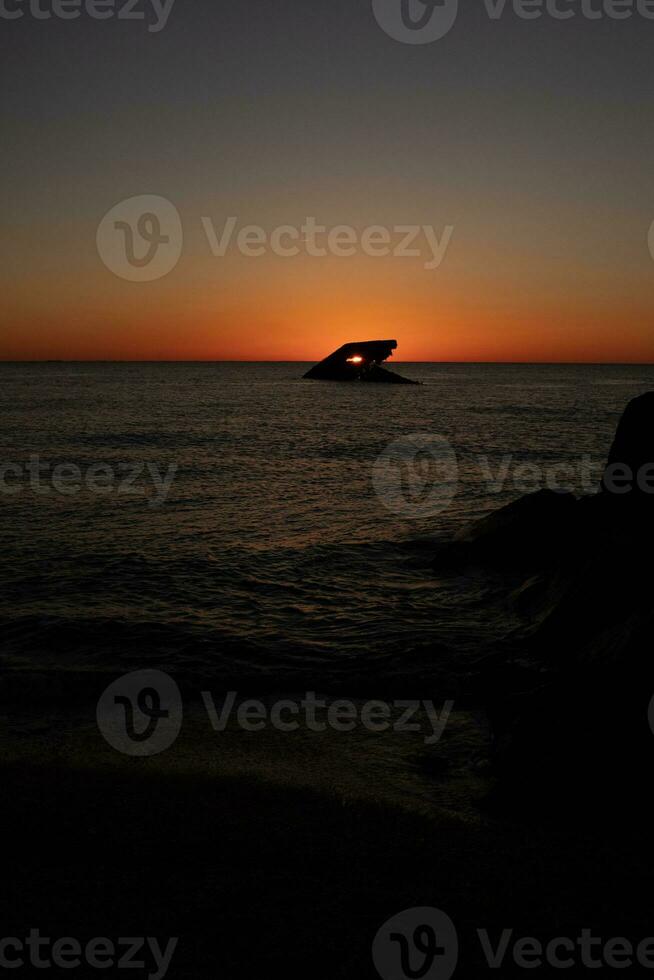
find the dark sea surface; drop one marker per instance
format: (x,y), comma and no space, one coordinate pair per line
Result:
(272,557)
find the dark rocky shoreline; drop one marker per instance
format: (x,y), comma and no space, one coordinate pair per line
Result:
(568,695)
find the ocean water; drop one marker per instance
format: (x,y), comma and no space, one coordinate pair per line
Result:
(276,555)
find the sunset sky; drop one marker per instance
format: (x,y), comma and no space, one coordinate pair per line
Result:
(532,138)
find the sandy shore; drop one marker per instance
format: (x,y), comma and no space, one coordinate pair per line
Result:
(254,871)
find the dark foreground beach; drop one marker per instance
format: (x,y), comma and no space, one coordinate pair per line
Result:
(293,865)
(255,878)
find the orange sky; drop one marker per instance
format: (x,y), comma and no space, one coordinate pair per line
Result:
(532,140)
(505,295)
(304,315)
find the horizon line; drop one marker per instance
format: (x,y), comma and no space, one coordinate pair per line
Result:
(107,360)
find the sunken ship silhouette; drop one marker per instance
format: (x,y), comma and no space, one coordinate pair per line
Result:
(359,362)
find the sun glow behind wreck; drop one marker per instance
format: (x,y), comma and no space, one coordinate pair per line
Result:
(348,364)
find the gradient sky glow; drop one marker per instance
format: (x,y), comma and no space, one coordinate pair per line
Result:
(533,138)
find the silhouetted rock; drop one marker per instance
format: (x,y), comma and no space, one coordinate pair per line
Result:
(634,439)
(628,480)
(575,715)
(528,532)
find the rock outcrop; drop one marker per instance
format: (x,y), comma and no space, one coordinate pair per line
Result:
(628,481)
(577,719)
(528,533)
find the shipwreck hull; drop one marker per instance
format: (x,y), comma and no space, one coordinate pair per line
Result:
(359,362)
